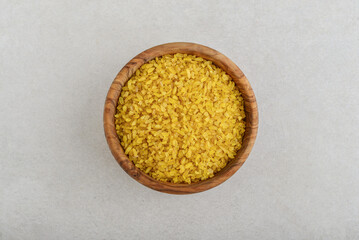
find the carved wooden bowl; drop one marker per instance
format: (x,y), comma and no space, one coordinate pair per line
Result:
(218,59)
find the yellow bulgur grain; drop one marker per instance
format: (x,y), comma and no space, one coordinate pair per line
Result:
(180,118)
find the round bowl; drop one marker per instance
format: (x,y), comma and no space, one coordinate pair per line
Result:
(250,107)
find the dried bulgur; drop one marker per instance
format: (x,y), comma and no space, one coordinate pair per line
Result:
(180,118)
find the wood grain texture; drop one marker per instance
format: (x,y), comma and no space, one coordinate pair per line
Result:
(220,60)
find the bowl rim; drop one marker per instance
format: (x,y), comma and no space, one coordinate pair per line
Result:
(250,107)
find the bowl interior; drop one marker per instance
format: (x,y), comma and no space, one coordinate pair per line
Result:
(250,107)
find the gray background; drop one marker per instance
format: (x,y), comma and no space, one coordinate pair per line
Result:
(58,179)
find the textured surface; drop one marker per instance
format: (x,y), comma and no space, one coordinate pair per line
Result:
(58,180)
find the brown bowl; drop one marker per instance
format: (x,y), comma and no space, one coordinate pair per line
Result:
(250,107)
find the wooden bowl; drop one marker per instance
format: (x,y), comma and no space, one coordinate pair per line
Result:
(218,59)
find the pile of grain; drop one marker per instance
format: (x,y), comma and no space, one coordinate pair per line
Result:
(180,118)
